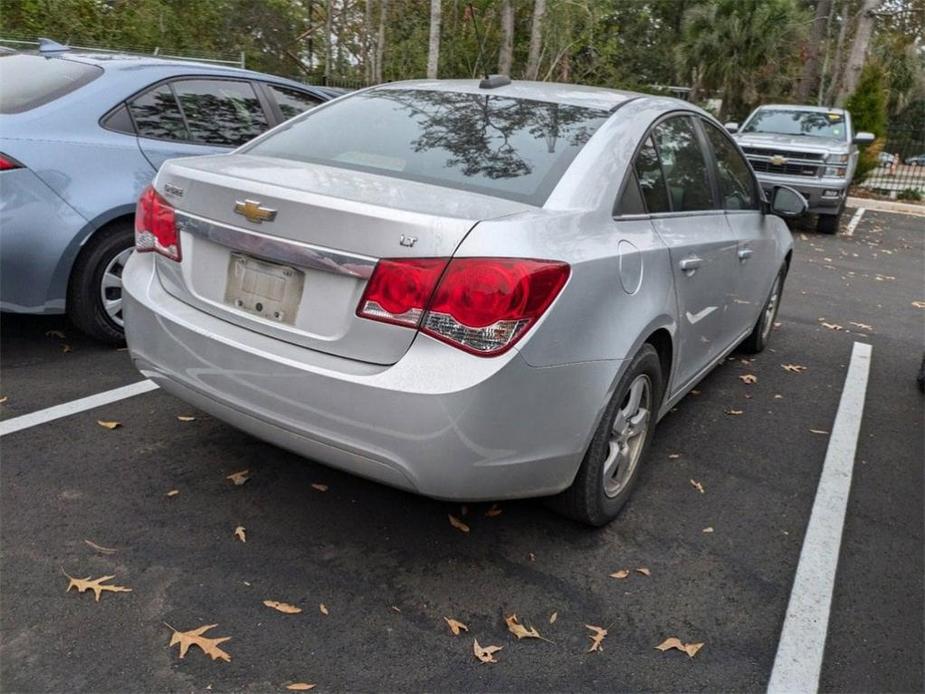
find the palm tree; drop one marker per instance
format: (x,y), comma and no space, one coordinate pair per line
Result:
(743,48)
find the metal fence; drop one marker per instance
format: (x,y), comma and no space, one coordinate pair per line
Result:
(899,170)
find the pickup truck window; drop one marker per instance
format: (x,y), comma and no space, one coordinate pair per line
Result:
(795,122)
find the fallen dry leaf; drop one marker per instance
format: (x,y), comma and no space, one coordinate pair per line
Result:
(66,348)
(173,492)
(644,571)
(495,510)
(818,431)
(672,642)
(674,456)
(100,548)
(553,617)
(531,556)
(696,485)
(794,368)
(320,487)
(3,399)
(519,630)
(621,574)
(597,638)
(735,413)
(455,625)
(862,326)
(54,333)
(108,425)
(397,609)
(186,418)
(919,304)
(195,637)
(707,530)
(96,585)
(283,607)
(486,654)
(778,396)
(695,392)
(458,524)
(832,326)
(239,477)
(322,609)
(240,533)
(299,686)
(748,379)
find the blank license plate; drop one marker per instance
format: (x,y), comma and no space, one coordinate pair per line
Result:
(265,289)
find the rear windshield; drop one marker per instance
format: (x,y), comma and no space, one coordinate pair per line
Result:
(787,122)
(500,146)
(27,81)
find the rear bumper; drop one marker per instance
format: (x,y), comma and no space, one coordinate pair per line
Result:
(38,230)
(813,189)
(439,422)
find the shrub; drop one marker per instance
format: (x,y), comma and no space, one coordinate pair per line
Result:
(910,194)
(868,109)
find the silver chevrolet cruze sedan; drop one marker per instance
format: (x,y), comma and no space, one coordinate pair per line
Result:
(471,290)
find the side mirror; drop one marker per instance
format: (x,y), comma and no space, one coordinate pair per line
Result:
(787,202)
(731,127)
(863,138)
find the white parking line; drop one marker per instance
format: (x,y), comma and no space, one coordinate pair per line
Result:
(854,221)
(8,426)
(802,642)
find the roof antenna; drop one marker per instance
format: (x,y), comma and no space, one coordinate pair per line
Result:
(50,46)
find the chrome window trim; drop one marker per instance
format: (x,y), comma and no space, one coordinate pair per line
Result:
(276,249)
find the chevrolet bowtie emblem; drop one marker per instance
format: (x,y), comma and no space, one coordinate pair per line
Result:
(778,160)
(254,211)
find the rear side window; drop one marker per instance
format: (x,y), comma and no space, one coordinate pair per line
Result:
(157,115)
(631,200)
(736,184)
(28,81)
(495,145)
(684,165)
(221,112)
(292,102)
(651,179)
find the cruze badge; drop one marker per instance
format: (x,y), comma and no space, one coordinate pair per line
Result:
(254,211)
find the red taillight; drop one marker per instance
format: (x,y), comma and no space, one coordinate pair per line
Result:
(156,226)
(481,305)
(8,163)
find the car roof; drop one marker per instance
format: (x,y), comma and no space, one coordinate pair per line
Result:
(555,92)
(801,107)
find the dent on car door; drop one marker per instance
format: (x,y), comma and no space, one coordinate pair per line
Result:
(755,246)
(196,116)
(677,187)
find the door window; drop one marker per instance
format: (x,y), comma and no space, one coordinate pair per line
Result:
(157,115)
(292,102)
(651,179)
(736,183)
(684,165)
(221,112)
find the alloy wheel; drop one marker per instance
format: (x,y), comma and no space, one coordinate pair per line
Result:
(628,436)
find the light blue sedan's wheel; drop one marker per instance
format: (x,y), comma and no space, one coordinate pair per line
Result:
(111,286)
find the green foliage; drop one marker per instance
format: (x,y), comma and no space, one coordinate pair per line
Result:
(910,194)
(868,109)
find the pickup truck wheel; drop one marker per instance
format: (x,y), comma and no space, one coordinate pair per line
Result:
(610,468)
(828,223)
(94,297)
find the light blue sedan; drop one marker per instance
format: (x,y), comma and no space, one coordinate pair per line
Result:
(80,136)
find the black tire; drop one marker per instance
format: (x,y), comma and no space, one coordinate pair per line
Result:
(586,500)
(84,300)
(828,223)
(761,333)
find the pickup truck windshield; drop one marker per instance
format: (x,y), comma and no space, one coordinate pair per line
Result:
(791,122)
(501,146)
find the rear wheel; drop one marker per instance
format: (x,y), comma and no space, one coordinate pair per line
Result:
(611,465)
(94,301)
(758,339)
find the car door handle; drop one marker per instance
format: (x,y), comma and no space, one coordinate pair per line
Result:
(745,253)
(689,265)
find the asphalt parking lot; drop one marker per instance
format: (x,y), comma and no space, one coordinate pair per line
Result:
(389,567)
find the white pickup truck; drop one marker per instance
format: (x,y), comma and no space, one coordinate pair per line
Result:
(810,148)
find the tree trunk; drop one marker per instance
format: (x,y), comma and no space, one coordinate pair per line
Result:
(433,49)
(536,40)
(328,31)
(380,40)
(839,47)
(810,77)
(506,55)
(858,49)
(368,41)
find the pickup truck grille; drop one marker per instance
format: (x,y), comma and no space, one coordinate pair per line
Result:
(795,164)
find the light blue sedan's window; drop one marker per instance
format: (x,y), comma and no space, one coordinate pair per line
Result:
(501,146)
(28,81)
